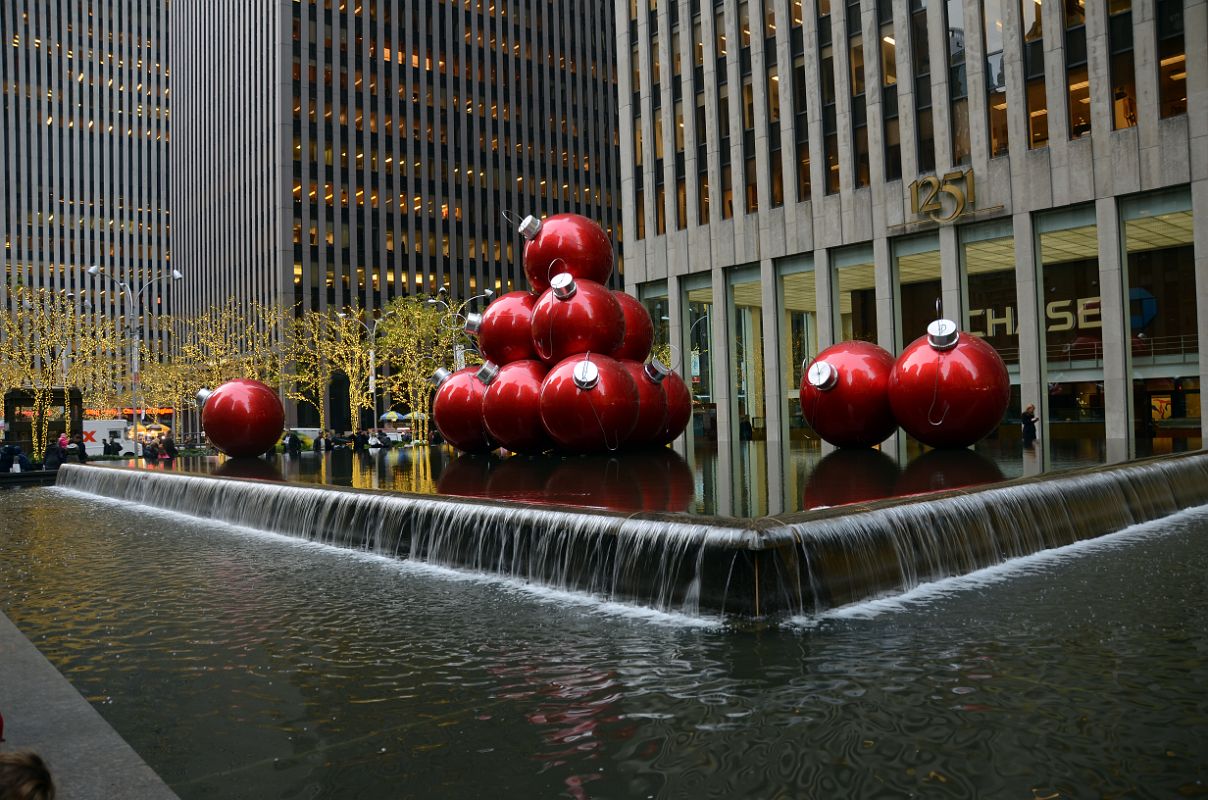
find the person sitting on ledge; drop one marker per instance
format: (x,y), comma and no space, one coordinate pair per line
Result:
(10,456)
(24,776)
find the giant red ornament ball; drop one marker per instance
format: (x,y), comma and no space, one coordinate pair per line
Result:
(511,408)
(565,243)
(505,328)
(652,402)
(844,395)
(457,408)
(949,388)
(679,408)
(242,417)
(576,316)
(589,403)
(639,329)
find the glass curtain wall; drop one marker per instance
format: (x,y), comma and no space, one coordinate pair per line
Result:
(992,310)
(855,294)
(1162,331)
(654,297)
(918,289)
(798,298)
(697,305)
(1069,253)
(748,408)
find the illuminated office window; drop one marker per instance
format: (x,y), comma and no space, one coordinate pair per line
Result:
(1172,59)
(1077,77)
(924,133)
(801,134)
(996,76)
(1033,73)
(958,84)
(1123,68)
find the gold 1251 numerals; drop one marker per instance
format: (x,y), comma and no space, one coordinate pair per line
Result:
(926,195)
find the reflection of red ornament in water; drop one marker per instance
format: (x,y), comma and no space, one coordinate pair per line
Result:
(457,411)
(576,316)
(467,475)
(850,476)
(597,481)
(937,470)
(243,417)
(511,408)
(565,243)
(652,403)
(949,389)
(665,477)
(249,467)
(679,409)
(521,479)
(639,329)
(505,329)
(589,403)
(844,394)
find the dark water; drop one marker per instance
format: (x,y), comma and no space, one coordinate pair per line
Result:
(243,665)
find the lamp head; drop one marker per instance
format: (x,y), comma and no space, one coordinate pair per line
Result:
(94,269)
(176,275)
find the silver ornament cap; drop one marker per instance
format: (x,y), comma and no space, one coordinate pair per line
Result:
(530,226)
(564,286)
(656,371)
(473,323)
(586,375)
(487,372)
(942,334)
(202,396)
(440,376)
(822,375)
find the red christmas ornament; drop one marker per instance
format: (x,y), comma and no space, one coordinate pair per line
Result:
(511,408)
(937,470)
(949,388)
(576,316)
(679,409)
(505,329)
(652,402)
(589,403)
(565,243)
(844,394)
(850,476)
(457,408)
(242,417)
(639,329)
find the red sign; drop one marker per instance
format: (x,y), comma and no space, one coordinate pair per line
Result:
(90,436)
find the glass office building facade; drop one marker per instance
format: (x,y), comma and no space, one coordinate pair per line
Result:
(1039,171)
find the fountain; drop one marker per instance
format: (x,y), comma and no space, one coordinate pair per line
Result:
(766,568)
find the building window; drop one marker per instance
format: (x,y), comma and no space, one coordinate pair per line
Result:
(801,134)
(958,84)
(889,93)
(1033,73)
(925,134)
(775,159)
(1077,77)
(639,212)
(1172,59)
(727,193)
(996,77)
(1123,69)
(702,198)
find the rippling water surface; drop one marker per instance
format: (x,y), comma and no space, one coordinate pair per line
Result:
(244,665)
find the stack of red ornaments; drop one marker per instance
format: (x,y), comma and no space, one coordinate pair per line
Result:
(566,364)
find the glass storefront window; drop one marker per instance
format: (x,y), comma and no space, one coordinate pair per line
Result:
(917,272)
(1069,252)
(697,305)
(798,300)
(1162,329)
(856,293)
(654,297)
(748,408)
(988,254)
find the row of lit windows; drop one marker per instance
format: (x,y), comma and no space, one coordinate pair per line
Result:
(1172,80)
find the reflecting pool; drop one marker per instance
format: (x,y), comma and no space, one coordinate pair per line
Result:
(245,665)
(704,481)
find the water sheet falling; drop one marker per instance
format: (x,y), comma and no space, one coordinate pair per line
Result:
(770,567)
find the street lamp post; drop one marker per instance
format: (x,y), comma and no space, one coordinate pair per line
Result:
(372,331)
(455,319)
(133,295)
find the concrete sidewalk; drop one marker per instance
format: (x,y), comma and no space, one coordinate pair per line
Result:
(44,713)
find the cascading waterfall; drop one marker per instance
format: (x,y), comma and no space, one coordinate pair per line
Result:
(764,568)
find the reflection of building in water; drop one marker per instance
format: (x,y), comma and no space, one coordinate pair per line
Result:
(789,184)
